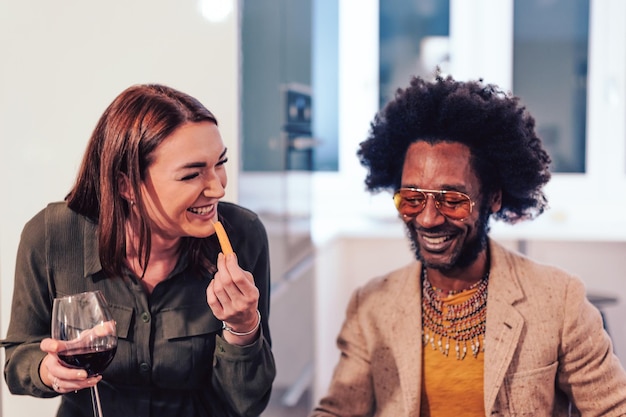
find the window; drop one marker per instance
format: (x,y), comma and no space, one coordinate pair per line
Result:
(414,40)
(550,61)
(584,125)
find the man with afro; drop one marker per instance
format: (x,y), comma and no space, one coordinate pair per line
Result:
(470,328)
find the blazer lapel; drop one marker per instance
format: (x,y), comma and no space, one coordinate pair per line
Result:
(504,327)
(504,322)
(407,333)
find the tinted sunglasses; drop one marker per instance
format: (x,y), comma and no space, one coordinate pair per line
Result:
(453,204)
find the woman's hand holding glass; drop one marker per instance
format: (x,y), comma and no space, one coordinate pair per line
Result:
(84,341)
(57,375)
(234,299)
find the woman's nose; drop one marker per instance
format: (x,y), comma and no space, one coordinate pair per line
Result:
(214,188)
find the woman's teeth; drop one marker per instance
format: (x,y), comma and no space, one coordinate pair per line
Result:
(200,210)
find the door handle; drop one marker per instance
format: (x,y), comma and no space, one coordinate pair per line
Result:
(304,142)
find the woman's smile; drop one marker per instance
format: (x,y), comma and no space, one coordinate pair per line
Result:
(202,210)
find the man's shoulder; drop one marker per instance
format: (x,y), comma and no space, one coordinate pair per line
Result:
(530,273)
(394,280)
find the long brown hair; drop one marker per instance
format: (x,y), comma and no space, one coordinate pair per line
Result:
(131,128)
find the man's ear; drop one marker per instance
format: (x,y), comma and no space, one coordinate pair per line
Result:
(496,201)
(126,191)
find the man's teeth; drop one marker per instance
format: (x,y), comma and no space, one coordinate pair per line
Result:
(435,240)
(200,210)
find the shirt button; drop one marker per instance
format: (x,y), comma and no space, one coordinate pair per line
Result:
(144,367)
(145,316)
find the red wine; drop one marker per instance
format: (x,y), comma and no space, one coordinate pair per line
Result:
(94,362)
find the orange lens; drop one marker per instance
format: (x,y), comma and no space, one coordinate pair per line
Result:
(453,204)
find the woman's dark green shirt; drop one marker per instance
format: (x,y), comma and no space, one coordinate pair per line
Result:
(171,359)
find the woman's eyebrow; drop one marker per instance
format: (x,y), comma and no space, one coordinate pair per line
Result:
(193,165)
(201,164)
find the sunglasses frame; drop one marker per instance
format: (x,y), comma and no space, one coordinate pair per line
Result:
(437,196)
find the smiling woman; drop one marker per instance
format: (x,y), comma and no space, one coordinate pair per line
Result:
(49,114)
(138,225)
(184,182)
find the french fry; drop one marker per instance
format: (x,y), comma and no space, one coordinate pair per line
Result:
(223,238)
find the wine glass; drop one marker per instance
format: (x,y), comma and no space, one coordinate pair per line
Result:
(84,322)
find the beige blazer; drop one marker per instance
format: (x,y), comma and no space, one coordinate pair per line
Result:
(545,345)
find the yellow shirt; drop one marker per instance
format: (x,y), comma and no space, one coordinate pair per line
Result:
(452,387)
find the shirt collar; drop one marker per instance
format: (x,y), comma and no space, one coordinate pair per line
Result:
(91,254)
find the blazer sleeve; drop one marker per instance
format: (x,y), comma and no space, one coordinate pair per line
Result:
(589,372)
(351,391)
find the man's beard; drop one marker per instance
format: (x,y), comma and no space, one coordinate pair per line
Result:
(470,250)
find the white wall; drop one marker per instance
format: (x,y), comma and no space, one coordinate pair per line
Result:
(61,63)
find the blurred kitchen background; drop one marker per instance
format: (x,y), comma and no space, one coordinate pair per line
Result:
(295,84)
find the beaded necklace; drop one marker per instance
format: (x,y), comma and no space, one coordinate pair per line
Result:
(461,323)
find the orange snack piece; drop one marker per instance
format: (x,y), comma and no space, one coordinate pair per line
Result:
(223,238)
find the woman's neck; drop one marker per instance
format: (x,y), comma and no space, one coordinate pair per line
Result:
(163,257)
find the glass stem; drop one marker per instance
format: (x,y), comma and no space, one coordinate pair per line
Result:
(95,401)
